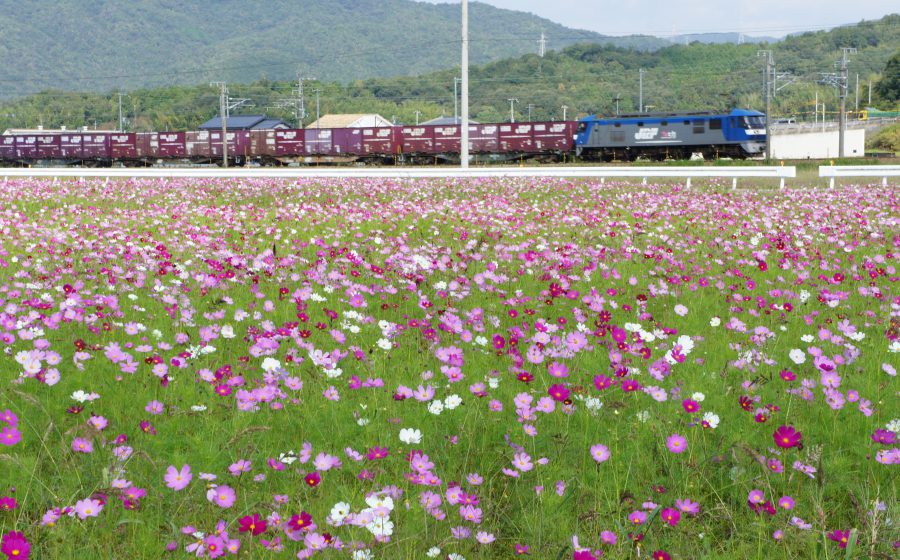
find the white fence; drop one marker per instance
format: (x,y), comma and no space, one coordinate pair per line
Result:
(883,171)
(778,172)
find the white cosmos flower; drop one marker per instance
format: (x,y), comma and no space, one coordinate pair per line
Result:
(270,364)
(698,397)
(433,552)
(339,511)
(452,401)
(807,338)
(797,356)
(227,331)
(715,322)
(435,407)
(385,344)
(712,419)
(410,436)
(198,408)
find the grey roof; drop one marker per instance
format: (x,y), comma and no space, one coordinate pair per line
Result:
(444,121)
(243,122)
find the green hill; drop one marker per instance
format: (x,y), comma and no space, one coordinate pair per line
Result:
(587,78)
(98,45)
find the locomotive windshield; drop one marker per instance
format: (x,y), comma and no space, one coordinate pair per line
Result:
(582,126)
(753,122)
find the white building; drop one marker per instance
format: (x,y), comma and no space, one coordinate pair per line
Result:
(370,120)
(806,144)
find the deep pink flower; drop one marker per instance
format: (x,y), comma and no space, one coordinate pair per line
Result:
(676,443)
(558,392)
(10,435)
(15,546)
(787,437)
(671,516)
(253,524)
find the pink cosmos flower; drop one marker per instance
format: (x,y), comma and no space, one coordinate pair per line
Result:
(676,443)
(88,508)
(787,437)
(222,495)
(178,479)
(600,452)
(15,546)
(10,435)
(81,445)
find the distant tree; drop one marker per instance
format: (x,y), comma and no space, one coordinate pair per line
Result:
(888,88)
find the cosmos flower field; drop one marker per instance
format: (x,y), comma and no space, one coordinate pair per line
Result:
(462,369)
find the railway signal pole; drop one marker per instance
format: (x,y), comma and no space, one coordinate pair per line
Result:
(770,64)
(464,137)
(512,113)
(845,58)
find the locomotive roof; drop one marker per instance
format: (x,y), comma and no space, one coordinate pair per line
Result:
(678,114)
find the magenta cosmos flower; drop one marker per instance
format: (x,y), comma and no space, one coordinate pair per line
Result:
(676,443)
(600,452)
(223,496)
(787,437)
(10,436)
(15,545)
(178,479)
(558,392)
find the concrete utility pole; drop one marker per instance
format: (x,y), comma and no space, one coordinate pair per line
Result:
(641,91)
(845,58)
(564,109)
(317,91)
(617,99)
(530,107)
(512,113)
(223,97)
(464,137)
(542,44)
(770,65)
(417,117)
(121,121)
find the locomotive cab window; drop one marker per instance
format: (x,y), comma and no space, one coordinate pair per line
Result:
(715,124)
(582,126)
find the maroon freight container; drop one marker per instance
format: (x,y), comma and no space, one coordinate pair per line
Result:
(417,139)
(483,139)
(238,143)
(447,139)
(171,145)
(346,141)
(553,136)
(289,142)
(380,141)
(262,143)
(196,144)
(147,145)
(26,146)
(70,146)
(317,141)
(47,146)
(7,147)
(123,145)
(95,145)
(517,137)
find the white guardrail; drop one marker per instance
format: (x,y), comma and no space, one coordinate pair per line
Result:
(883,171)
(779,172)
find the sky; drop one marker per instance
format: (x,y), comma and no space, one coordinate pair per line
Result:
(664,18)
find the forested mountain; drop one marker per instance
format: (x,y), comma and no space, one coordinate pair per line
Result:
(98,45)
(587,78)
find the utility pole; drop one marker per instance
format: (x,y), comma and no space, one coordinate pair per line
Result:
(564,109)
(542,44)
(456,81)
(464,137)
(317,91)
(223,96)
(512,113)
(530,107)
(617,99)
(121,121)
(417,117)
(857,94)
(845,58)
(770,64)
(641,91)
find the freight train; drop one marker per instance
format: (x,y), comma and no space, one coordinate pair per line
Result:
(737,134)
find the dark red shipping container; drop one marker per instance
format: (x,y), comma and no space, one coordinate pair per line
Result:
(262,143)
(171,145)
(26,146)
(70,146)
(289,142)
(238,143)
(196,144)
(317,141)
(47,146)
(346,141)
(483,139)
(123,146)
(95,146)
(381,141)
(147,145)
(554,136)
(7,147)
(417,139)
(517,137)
(447,139)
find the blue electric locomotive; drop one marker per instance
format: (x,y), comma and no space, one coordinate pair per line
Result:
(740,133)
